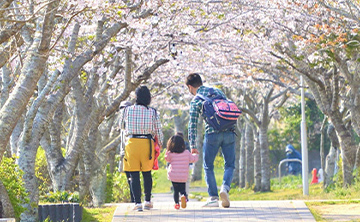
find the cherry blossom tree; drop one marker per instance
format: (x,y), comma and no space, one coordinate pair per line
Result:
(321,49)
(77,49)
(67,65)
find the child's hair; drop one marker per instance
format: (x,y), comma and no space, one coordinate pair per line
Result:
(176,144)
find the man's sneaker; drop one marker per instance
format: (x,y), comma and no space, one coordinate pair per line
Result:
(224,197)
(177,206)
(148,205)
(212,203)
(183,201)
(138,207)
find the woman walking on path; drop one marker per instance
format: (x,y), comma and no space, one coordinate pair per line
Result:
(178,169)
(141,124)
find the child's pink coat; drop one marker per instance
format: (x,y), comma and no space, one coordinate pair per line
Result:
(178,170)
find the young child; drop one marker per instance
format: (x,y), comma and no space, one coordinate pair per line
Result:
(178,169)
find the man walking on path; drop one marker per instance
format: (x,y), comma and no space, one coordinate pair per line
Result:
(213,140)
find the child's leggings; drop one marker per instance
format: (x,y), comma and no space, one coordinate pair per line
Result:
(178,188)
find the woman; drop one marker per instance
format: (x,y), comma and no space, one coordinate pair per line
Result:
(141,125)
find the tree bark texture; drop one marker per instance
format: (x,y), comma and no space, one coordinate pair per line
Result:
(265,159)
(348,148)
(331,160)
(178,124)
(96,164)
(332,157)
(97,188)
(238,136)
(6,84)
(257,161)
(198,166)
(242,159)
(15,136)
(264,143)
(249,156)
(322,148)
(7,208)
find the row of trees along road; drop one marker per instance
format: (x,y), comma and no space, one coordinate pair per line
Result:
(67,65)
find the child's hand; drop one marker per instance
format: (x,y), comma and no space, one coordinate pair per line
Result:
(167,157)
(195,151)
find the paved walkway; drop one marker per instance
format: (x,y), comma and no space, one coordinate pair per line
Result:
(239,211)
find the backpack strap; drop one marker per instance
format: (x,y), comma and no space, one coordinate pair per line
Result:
(212,94)
(154,110)
(202,97)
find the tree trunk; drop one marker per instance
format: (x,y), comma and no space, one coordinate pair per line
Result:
(242,159)
(257,161)
(331,159)
(236,178)
(357,160)
(53,152)
(5,85)
(92,162)
(107,133)
(27,165)
(95,166)
(121,150)
(198,166)
(265,159)
(249,149)
(15,136)
(98,186)
(348,148)
(178,125)
(48,144)
(322,148)
(7,208)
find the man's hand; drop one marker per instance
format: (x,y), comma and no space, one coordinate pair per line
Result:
(194,151)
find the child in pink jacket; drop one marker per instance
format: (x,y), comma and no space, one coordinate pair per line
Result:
(178,170)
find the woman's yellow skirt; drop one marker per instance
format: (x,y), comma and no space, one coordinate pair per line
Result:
(137,154)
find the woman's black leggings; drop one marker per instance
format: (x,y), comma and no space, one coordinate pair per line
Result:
(129,182)
(178,188)
(136,187)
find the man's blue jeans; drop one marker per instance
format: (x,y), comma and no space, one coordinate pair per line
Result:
(212,143)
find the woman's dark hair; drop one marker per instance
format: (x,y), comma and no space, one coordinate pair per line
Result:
(193,80)
(143,96)
(180,134)
(176,144)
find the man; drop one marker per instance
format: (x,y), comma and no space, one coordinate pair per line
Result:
(294,168)
(213,140)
